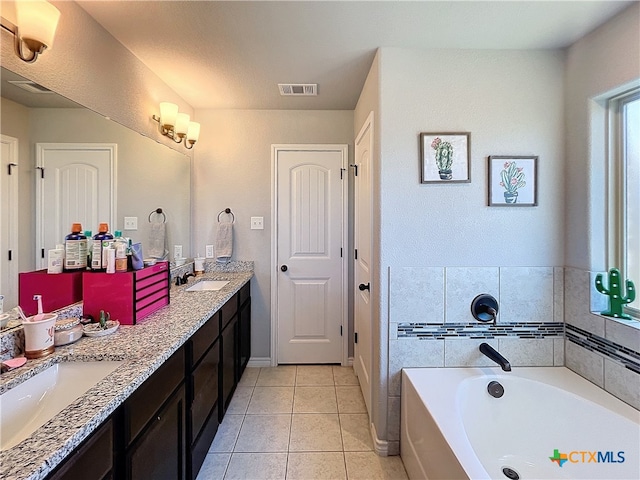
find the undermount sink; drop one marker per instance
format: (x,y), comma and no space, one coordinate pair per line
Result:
(207,285)
(28,406)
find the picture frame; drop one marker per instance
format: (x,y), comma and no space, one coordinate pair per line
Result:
(513,180)
(445,157)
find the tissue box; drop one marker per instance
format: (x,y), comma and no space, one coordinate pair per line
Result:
(58,290)
(127,296)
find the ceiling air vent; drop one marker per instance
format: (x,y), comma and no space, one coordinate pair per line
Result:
(298,89)
(30,86)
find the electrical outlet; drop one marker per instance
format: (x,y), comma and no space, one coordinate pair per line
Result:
(130,223)
(208,251)
(177,251)
(257,223)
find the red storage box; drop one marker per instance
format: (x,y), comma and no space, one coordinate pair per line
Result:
(127,296)
(57,289)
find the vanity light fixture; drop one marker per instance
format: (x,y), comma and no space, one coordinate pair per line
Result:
(36,23)
(177,126)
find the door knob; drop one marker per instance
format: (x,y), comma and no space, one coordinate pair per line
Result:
(363,287)
(284,268)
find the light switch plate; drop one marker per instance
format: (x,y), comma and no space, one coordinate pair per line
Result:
(177,251)
(208,251)
(257,223)
(130,223)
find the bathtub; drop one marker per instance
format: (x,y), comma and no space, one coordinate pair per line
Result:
(549,424)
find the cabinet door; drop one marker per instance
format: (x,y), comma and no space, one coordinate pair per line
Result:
(93,460)
(160,453)
(244,337)
(204,385)
(228,345)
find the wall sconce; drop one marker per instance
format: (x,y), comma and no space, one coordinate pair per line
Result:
(177,126)
(36,23)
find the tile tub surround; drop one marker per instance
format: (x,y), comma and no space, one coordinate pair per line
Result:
(142,348)
(603,350)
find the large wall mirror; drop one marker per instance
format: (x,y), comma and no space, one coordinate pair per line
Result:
(147,175)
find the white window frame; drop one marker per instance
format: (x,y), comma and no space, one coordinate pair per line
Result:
(617,184)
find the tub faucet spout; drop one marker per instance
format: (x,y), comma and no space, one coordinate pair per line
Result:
(494,355)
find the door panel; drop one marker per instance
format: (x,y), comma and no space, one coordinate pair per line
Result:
(362,274)
(309,245)
(78,183)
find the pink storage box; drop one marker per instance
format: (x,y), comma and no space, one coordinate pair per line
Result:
(127,296)
(57,289)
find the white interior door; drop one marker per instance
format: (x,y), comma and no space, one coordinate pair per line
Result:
(362,274)
(9,221)
(310,268)
(76,183)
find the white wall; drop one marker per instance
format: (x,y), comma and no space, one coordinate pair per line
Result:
(605,61)
(599,65)
(512,103)
(232,168)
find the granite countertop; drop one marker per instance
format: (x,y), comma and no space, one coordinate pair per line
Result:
(142,349)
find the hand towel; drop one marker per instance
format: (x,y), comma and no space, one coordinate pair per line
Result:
(157,241)
(224,242)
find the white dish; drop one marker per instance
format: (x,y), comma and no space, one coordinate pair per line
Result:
(149,262)
(180,261)
(94,329)
(4,319)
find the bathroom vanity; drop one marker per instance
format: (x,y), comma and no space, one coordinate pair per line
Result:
(156,415)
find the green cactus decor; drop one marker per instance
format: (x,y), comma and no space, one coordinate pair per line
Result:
(444,157)
(614,292)
(512,179)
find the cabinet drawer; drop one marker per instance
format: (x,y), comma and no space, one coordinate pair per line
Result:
(140,407)
(228,310)
(205,390)
(203,338)
(92,460)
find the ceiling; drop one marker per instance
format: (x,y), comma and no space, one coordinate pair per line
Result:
(232,54)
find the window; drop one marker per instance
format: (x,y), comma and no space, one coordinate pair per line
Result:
(624,188)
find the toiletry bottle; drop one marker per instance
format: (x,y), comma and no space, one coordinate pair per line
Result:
(100,241)
(55,260)
(109,254)
(121,245)
(75,249)
(89,235)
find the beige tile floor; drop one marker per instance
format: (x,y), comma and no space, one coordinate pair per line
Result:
(302,422)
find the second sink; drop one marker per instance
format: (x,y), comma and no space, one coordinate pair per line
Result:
(207,285)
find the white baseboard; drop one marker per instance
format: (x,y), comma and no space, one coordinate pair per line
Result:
(350,362)
(381,447)
(259,362)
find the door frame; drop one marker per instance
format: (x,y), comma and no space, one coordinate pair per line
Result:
(275,149)
(41,149)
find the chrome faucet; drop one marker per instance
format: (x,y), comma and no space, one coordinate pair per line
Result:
(494,355)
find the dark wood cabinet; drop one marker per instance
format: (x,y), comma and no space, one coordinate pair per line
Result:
(244,330)
(203,392)
(160,452)
(166,426)
(93,460)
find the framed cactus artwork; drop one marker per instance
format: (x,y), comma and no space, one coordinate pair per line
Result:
(513,181)
(445,157)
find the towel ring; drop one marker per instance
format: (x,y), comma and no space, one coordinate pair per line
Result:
(229,212)
(159,212)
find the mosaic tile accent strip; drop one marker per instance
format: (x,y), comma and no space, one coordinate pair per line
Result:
(439,331)
(628,358)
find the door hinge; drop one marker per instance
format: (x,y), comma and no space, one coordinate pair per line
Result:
(42,253)
(342,170)
(355,168)
(340,330)
(355,337)
(41,171)
(356,256)
(10,260)
(10,166)
(340,252)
